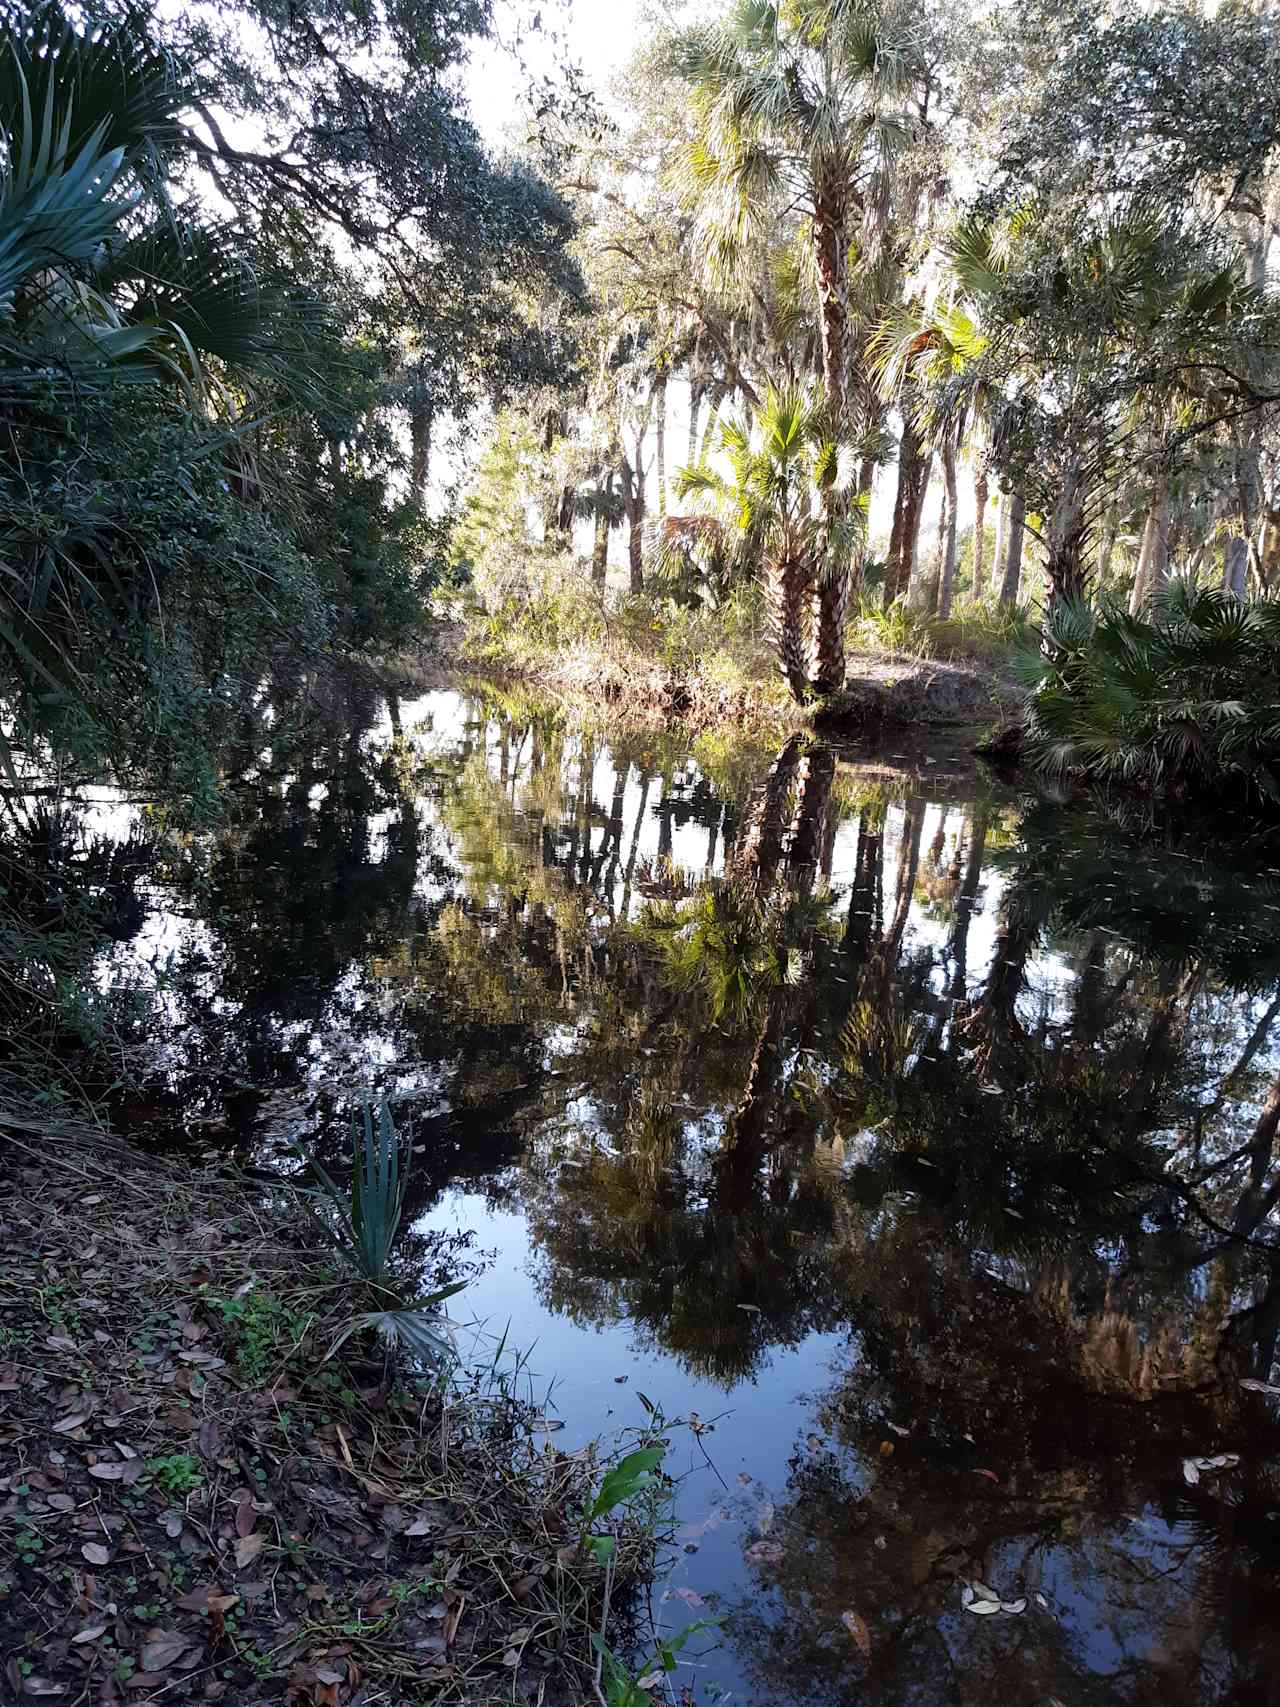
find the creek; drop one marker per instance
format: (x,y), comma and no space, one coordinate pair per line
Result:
(907,1140)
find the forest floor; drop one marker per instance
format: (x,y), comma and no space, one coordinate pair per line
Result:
(199,1504)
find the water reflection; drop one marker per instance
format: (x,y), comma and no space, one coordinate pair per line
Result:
(971,1100)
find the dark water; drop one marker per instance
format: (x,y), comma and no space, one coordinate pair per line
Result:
(915,1138)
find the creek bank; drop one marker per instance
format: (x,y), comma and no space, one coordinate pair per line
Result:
(200,1504)
(880,692)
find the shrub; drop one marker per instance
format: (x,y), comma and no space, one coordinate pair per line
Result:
(1185,701)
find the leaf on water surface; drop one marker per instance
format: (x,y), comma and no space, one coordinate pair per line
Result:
(967,1596)
(989,1474)
(1260,1386)
(898,1429)
(857,1628)
(984,1608)
(1190,1471)
(764,1517)
(764,1552)
(545,1425)
(650,1680)
(982,1592)
(1041,1601)
(753,1309)
(1013,1606)
(690,1596)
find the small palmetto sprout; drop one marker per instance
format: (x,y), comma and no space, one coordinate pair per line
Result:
(363,1223)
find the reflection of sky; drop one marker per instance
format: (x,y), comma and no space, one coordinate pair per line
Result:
(759,1425)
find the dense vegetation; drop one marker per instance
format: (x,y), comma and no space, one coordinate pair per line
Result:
(246,252)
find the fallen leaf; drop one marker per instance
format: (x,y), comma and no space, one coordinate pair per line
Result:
(650,1680)
(764,1552)
(982,1592)
(247,1549)
(160,1648)
(545,1425)
(107,1472)
(89,1635)
(1013,1606)
(206,1597)
(690,1596)
(68,1425)
(209,1439)
(984,1608)
(1260,1386)
(1190,1471)
(857,1628)
(96,1553)
(246,1517)
(42,1686)
(61,1502)
(989,1474)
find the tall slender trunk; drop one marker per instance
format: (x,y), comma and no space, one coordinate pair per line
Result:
(1010,586)
(1153,559)
(635,547)
(600,555)
(830,245)
(980,490)
(421,420)
(1002,545)
(907,456)
(947,577)
(660,408)
(917,575)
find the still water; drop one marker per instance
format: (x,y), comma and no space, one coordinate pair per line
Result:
(910,1140)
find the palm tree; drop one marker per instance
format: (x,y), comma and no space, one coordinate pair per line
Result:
(1129,316)
(797,108)
(785,472)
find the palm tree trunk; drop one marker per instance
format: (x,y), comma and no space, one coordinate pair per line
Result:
(979,532)
(830,246)
(1153,559)
(660,406)
(787,584)
(1010,585)
(948,571)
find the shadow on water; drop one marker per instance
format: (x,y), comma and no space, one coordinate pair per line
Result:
(965,1104)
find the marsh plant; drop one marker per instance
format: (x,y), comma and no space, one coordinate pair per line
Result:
(363,1221)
